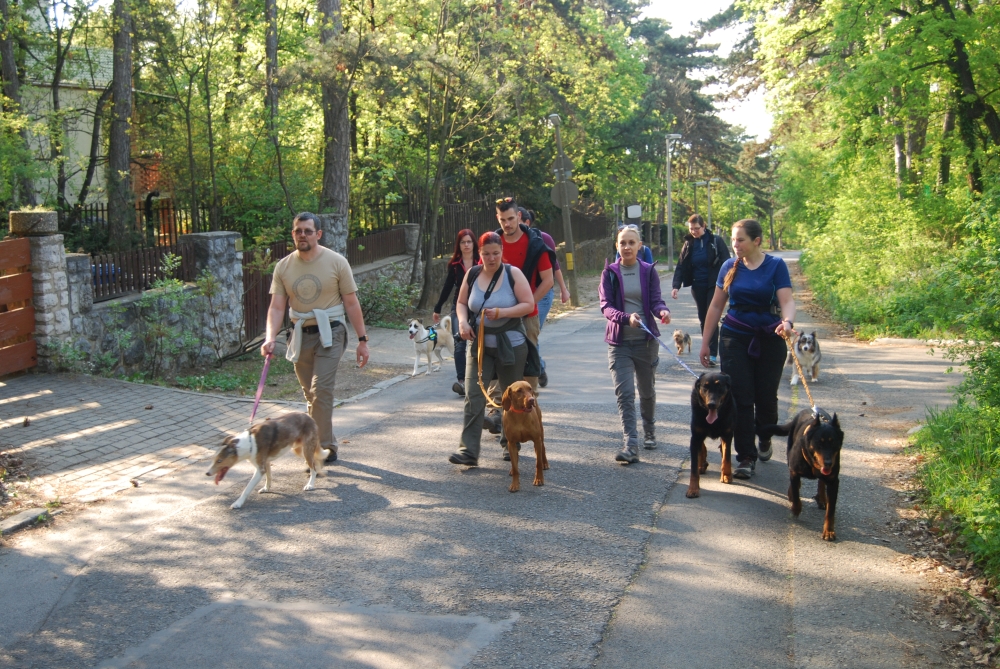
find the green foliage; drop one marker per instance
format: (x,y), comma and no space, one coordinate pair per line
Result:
(961,475)
(384,303)
(161,320)
(233,379)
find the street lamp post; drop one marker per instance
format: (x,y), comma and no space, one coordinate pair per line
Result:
(671,138)
(708,190)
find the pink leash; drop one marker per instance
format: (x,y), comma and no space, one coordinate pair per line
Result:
(260,387)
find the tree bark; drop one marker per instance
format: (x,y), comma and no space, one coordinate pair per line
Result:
(334,197)
(95,153)
(214,211)
(271,91)
(12,91)
(121,200)
(944,161)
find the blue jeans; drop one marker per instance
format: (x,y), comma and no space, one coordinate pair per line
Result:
(544,305)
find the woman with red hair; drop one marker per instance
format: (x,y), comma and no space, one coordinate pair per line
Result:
(465,256)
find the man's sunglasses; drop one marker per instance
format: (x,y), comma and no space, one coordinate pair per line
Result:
(306,233)
(505,199)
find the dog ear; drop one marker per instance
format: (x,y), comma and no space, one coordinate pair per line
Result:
(813,334)
(506,402)
(725,377)
(834,422)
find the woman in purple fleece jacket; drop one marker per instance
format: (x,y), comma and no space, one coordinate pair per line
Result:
(630,297)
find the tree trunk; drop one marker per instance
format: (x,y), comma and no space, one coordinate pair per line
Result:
(12,91)
(95,152)
(944,161)
(334,199)
(214,211)
(899,139)
(271,91)
(427,292)
(121,201)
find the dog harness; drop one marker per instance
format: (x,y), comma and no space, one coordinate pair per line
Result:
(432,336)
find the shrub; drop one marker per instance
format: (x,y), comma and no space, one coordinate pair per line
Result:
(385,302)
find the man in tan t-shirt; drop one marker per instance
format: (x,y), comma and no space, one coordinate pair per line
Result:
(316,278)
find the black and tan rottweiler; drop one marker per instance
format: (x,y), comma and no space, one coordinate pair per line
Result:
(814,443)
(713,415)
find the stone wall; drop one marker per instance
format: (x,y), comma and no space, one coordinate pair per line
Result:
(51,300)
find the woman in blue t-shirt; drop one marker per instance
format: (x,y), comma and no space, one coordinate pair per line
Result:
(761,308)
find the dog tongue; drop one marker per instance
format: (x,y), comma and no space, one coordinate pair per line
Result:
(826,472)
(712,416)
(220,474)
(412,335)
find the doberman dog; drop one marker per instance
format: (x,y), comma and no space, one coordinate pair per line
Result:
(713,415)
(814,443)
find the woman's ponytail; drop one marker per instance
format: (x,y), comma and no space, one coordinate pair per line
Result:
(730,275)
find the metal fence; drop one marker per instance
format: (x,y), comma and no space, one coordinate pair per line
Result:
(258,266)
(124,272)
(156,223)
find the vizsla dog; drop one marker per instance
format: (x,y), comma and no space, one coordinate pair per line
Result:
(522,421)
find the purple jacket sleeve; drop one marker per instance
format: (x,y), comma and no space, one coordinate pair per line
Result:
(551,243)
(656,303)
(608,300)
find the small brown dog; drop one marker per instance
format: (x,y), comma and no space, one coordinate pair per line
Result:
(682,339)
(522,421)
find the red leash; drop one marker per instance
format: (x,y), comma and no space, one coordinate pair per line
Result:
(260,387)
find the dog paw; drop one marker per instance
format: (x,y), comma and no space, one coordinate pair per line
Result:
(309,486)
(795,381)
(703,468)
(538,482)
(236,505)
(796,509)
(692,493)
(264,489)
(829,535)
(514,487)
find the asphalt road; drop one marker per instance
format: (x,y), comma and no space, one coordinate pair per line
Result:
(399,559)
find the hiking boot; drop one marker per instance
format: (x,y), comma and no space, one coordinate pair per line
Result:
(764,451)
(458,388)
(627,456)
(649,443)
(463,459)
(492,421)
(744,469)
(543,379)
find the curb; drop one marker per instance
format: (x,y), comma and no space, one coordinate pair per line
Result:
(26,519)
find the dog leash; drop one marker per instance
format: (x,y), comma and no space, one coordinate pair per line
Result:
(667,349)
(812,403)
(260,386)
(479,360)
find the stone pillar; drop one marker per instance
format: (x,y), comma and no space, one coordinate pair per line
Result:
(334,228)
(216,252)
(412,237)
(81,294)
(48,276)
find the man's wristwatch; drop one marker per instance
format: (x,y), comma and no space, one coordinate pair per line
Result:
(363,338)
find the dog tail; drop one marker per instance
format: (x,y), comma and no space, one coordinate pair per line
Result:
(446,323)
(319,457)
(767,431)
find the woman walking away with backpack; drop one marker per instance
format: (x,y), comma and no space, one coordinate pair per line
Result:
(499,294)
(701,258)
(630,297)
(465,256)
(761,308)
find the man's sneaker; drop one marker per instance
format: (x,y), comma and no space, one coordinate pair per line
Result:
(627,457)
(464,459)
(543,379)
(649,443)
(764,451)
(713,361)
(744,469)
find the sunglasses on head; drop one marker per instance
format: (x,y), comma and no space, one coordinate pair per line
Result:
(630,226)
(504,199)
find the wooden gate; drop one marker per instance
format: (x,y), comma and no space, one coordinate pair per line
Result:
(17,316)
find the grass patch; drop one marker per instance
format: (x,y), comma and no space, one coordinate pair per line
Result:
(240,376)
(960,473)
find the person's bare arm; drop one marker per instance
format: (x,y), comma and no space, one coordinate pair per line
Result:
(711,322)
(353,308)
(563,290)
(462,310)
(544,287)
(787,303)
(275,318)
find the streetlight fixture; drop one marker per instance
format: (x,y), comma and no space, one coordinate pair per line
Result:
(671,138)
(708,187)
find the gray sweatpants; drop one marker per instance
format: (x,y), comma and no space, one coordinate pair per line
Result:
(631,362)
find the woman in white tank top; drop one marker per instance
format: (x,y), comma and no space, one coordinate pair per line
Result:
(505,302)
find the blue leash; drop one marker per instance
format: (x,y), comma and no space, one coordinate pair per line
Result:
(665,348)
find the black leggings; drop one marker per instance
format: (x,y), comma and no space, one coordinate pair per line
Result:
(703,297)
(755,385)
